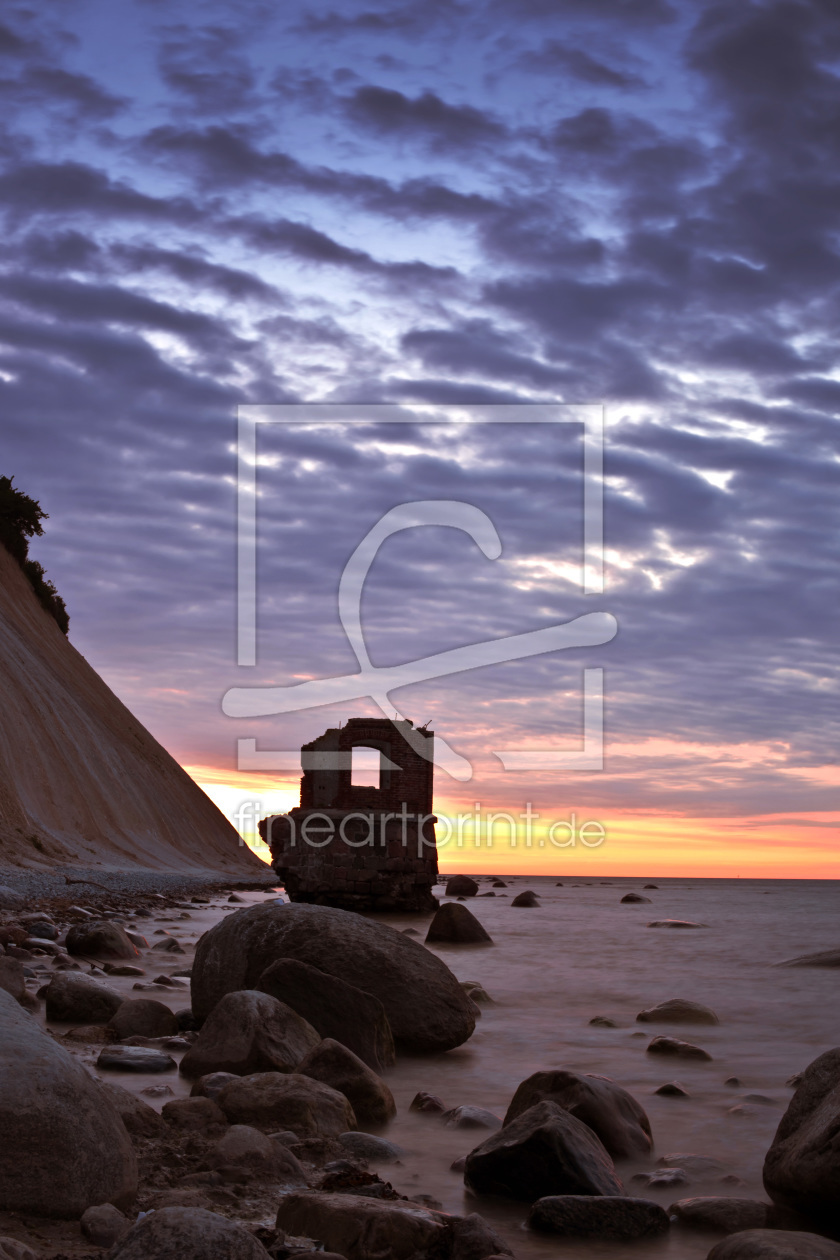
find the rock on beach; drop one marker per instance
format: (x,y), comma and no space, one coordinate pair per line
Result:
(333,1064)
(774,1244)
(678,1011)
(610,1218)
(249,1032)
(187,1234)
(64,1147)
(802,1168)
(454,924)
(274,1100)
(678,1049)
(615,1116)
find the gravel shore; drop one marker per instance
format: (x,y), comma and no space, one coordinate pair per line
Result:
(90,882)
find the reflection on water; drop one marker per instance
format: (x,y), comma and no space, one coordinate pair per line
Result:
(583,954)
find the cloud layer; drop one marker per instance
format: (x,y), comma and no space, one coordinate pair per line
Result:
(632,203)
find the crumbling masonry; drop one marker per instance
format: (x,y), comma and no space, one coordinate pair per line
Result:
(361,848)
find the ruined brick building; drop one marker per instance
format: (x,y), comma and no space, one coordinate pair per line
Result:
(361,847)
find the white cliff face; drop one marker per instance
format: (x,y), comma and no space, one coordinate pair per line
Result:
(81,781)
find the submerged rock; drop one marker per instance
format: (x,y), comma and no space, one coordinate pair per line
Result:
(526,899)
(678,1011)
(461,886)
(544,1151)
(716,1214)
(675,923)
(825,958)
(633,899)
(672,1089)
(802,1168)
(615,1116)
(134,1059)
(611,1218)
(455,925)
(249,1032)
(679,1049)
(427,1009)
(334,1007)
(64,1147)
(471,1118)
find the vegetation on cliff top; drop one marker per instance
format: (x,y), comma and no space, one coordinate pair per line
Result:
(20,520)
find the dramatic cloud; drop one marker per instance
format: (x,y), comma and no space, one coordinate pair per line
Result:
(442,208)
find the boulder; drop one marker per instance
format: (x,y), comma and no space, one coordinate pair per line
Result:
(275,1100)
(64,1147)
(104,1225)
(675,923)
(825,958)
(427,1009)
(211,1086)
(187,1233)
(678,1049)
(774,1244)
(134,1059)
(461,886)
(360,1228)
(249,1032)
(634,899)
(802,1168)
(194,1115)
(334,1007)
(526,898)
(335,1065)
(470,1118)
(13,982)
(246,1147)
(9,899)
(428,1103)
(603,1021)
(73,998)
(453,924)
(143,1017)
(100,940)
(610,1112)
(370,1149)
(473,1239)
(139,1118)
(677,1011)
(609,1218)
(715,1214)
(13,1249)
(672,1089)
(500,883)
(544,1151)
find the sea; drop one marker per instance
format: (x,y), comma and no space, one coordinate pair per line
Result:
(582,953)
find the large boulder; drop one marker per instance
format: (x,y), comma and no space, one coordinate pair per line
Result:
(544,1151)
(365,1229)
(678,1011)
(609,1111)
(143,1017)
(802,1166)
(774,1244)
(453,924)
(64,1147)
(336,1066)
(334,1008)
(715,1214)
(426,1007)
(100,940)
(613,1218)
(461,886)
(73,998)
(181,1233)
(273,1100)
(250,1032)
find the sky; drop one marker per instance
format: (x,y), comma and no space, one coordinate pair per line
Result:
(447,208)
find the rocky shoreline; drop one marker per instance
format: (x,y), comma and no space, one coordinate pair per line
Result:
(204,1073)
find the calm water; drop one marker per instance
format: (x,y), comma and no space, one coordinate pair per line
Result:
(582,954)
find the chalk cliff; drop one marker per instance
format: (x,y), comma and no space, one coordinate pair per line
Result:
(81,781)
